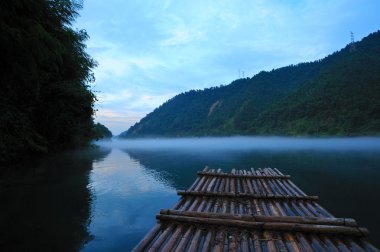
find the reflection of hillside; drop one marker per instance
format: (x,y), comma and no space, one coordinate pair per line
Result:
(45,206)
(169,165)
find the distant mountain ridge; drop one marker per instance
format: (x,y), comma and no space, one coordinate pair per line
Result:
(338,95)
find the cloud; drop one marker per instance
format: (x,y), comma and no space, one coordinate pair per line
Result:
(120,111)
(118,121)
(148,51)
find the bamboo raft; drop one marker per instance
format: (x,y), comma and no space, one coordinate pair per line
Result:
(256,210)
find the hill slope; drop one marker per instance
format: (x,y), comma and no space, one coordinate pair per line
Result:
(338,95)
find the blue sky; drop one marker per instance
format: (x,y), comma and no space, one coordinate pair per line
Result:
(150,50)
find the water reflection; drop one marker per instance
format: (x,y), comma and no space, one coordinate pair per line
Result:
(45,204)
(127,199)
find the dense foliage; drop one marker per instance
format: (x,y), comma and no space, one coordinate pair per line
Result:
(45,102)
(338,95)
(101,131)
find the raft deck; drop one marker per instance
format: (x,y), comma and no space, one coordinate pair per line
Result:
(255,210)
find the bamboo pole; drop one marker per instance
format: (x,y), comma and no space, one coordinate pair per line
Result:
(291,242)
(330,245)
(209,205)
(270,242)
(273,208)
(206,183)
(232,208)
(244,243)
(232,175)
(288,209)
(195,241)
(161,239)
(211,184)
(305,209)
(264,183)
(208,241)
(173,239)
(256,242)
(194,204)
(147,239)
(323,211)
(260,184)
(258,189)
(279,241)
(318,244)
(296,209)
(283,188)
(187,203)
(249,185)
(232,243)
(341,245)
(200,184)
(304,243)
(224,206)
(274,187)
(257,207)
(184,240)
(264,207)
(179,203)
(246,195)
(227,187)
(296,188)
(277,171)
(290,189)
(280,209)
(276,226)
(219,241)
(202,204)
(369,247)
(222,185)
(232,185)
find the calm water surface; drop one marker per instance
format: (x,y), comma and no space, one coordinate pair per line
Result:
(106,199)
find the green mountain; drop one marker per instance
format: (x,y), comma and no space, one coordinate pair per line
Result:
(338,95)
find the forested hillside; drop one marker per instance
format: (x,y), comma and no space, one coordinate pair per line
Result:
(46,103)
(338,95)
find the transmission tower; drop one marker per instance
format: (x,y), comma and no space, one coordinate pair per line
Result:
(352,44)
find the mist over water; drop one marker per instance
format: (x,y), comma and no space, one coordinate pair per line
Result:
(248,143)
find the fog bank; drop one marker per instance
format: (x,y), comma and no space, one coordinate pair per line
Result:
(247,143)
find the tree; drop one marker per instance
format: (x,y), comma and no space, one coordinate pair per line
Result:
(46,102)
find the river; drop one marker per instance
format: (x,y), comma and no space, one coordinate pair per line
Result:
(106,198)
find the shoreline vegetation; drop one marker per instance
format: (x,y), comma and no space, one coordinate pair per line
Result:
(335,96)
(46,102)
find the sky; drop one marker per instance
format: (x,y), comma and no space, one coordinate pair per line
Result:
(148,51)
